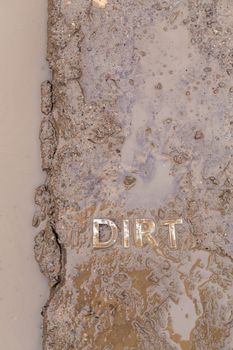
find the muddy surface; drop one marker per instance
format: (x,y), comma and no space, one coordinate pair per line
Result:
(137,124)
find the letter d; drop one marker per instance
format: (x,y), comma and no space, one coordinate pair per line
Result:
(96,233)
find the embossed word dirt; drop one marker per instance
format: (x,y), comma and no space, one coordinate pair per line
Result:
(139,229)
(136,133)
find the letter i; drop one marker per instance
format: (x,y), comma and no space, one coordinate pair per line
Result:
(126,233)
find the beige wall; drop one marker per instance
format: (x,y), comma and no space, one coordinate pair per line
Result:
(22,68)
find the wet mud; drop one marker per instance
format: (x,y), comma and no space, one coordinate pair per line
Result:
(137,124)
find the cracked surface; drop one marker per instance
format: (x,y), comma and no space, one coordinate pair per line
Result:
(137,123)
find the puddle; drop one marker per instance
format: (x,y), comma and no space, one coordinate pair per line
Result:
(159,78)
(22,69)
(149,193)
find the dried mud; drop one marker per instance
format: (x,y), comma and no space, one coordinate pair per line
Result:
(137,123)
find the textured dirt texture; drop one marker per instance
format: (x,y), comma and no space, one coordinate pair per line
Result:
(137,123)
